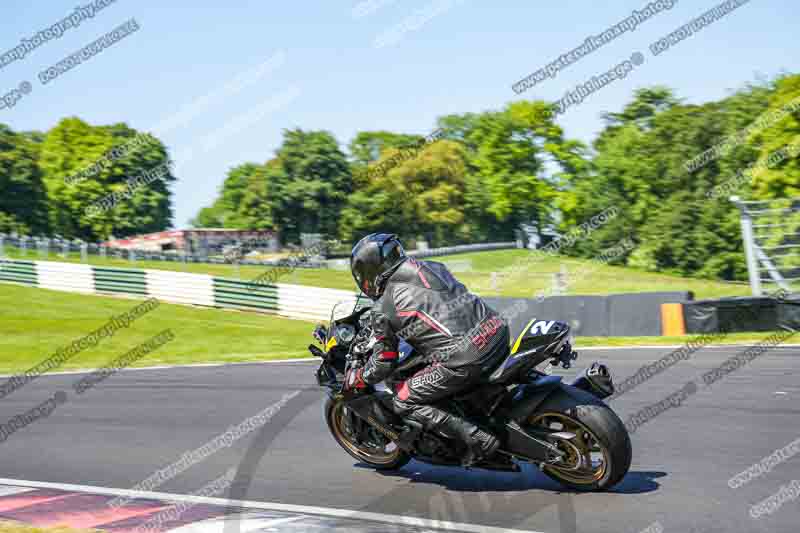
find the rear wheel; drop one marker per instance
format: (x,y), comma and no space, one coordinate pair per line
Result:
(599,455)
(363,442)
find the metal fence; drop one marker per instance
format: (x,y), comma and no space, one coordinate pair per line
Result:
(771,236)
(53,248)
(464,248)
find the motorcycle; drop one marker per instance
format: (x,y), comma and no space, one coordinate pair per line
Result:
(565,429)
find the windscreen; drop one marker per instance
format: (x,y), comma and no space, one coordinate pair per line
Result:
(347,307)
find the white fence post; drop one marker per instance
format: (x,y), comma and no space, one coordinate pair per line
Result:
(749,248)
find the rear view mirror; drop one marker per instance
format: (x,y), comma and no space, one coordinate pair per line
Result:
(320,334)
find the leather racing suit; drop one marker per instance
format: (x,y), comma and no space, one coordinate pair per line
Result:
(460,337)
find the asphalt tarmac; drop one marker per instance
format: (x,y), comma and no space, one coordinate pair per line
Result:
(137,422)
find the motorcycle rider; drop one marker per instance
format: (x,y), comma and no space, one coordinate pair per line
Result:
(461,338)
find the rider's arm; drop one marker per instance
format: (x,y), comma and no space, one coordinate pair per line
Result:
(384,352)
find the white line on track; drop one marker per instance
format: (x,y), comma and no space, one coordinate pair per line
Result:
(10,491)
(245,524)
(167,367)
(266,506)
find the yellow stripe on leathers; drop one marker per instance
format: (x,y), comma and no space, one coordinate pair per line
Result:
(522,334)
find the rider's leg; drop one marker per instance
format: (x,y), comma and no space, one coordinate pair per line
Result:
(432,384)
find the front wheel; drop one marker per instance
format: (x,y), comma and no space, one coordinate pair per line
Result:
(600,454)
(363,442)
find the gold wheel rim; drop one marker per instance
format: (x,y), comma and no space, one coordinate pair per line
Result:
(586,443)
(369,454)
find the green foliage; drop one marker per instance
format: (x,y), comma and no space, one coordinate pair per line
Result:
(312,181)
(423,195)
(368,146)
(639,167)
(243,202)
(72,146)
(520,167)
(781,180)
(302,190)
(36,199)
(23,201)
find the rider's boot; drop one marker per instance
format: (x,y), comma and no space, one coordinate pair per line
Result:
(479,443)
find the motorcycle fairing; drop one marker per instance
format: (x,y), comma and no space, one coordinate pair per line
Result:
(538,333)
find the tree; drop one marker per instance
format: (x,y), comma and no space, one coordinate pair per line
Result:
(208,217)
(310,183)
(421,196)
(640,168)
(520,166)
(244,201)
(367,146)
(301,190)
(23,199)
(781,180)
(73,146)
(647,103)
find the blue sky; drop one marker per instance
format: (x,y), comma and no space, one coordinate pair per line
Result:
(240,72)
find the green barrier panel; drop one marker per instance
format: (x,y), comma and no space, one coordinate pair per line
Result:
(19,272)
(245,295)
(120,280)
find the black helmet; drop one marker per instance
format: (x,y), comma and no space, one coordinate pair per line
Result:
(373,260)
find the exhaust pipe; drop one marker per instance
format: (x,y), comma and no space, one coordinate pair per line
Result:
(595,380)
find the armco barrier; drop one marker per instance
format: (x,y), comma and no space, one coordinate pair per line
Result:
(291,301)
(634,315)
(740,314)
(638,314)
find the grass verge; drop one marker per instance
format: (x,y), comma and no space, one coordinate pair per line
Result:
(16,527)
(35,322)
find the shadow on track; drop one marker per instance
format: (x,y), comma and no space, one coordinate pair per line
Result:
(638,483)
(531,478)
(471,495)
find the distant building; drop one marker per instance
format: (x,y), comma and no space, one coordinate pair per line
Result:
(198,241)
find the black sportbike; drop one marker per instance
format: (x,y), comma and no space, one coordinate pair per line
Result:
(567,430)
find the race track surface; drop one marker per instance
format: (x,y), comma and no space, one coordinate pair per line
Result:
(137,422)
